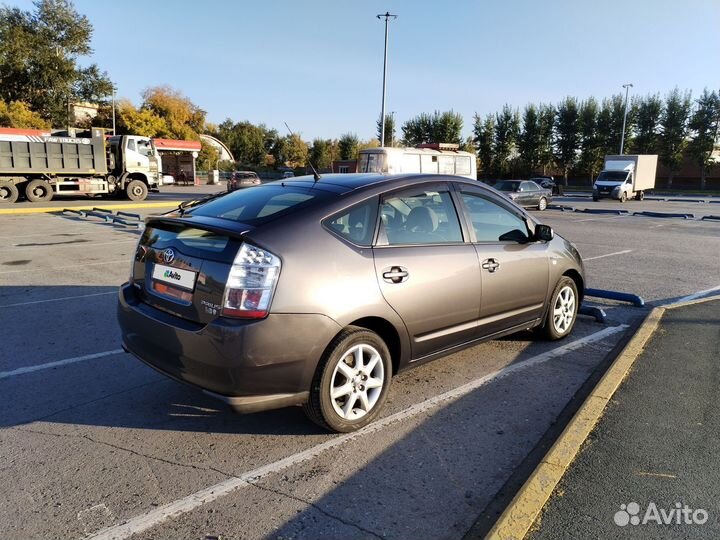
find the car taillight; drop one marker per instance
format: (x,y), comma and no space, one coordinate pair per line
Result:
(251,283)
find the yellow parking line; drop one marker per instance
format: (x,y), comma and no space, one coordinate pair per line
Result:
(527,504)
(48,209)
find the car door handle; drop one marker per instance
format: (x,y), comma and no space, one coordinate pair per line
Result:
(395,274)
(490,265)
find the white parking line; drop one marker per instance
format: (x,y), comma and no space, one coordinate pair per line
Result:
(65,245)
(184,505)
(608,255)
(58,363)
(117,261)
(58,299)
(693,296)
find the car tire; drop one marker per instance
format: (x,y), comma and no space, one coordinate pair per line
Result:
(542,204)
(562,311)
(136,190)
(596,198)
(640,195)
(8,192)
(623,197)
(38,191)
(339,379)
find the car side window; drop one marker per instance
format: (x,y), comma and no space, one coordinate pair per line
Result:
(493,223)
(528,186)
(420,217)
(357,223)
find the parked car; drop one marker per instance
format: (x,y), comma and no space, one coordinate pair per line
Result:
(316,293)
(526,193)
(242,179)
(548,182)
(288,174)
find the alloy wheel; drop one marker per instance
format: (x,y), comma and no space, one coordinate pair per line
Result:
(357,381)
(564,310)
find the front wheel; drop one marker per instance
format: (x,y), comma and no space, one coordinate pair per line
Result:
(596,198)
(623,197)
(136,190)
(351,381)
(563,309)
(542,204)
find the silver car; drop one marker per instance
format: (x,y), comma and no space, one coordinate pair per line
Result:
(315,293)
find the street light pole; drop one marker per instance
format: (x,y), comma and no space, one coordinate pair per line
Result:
(627,88)
(113,108)
(387,16)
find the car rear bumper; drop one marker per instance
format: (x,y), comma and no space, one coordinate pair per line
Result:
(251,365)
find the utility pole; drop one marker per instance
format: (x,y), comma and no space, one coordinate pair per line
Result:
(387,16)
(113,108)
(627,88)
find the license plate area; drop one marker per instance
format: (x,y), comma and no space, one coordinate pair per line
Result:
(177,278)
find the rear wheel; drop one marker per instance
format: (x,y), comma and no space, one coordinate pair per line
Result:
(640,195)
(38,191)
(542,204)
(563,309)
(136,190)
(8,192)
(351,382)
(596,198)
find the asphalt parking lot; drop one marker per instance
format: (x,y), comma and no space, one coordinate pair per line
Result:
(96,445)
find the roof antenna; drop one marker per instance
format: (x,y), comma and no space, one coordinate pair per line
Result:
(316,175)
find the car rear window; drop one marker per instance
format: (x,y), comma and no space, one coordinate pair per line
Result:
(258,204)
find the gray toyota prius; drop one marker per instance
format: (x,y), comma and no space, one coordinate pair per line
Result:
(315,292)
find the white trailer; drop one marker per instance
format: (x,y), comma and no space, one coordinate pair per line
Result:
(626,177)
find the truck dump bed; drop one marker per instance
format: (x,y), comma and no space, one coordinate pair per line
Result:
(24,154)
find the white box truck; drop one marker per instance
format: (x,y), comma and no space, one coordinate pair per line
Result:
(626,177)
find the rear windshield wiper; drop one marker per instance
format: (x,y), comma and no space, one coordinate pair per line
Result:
(189,204)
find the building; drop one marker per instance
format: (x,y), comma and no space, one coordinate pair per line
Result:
(178,158)
(344,166)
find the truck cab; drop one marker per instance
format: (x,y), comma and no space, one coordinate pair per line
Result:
(135,157)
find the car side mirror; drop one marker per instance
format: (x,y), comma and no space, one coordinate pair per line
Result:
(544,233)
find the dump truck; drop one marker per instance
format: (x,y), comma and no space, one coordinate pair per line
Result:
(626,177)
(39,165)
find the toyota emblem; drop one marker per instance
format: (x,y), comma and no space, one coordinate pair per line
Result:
(168,256)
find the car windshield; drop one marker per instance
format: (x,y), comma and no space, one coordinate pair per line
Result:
(507,185)
(613,176)
(258,204)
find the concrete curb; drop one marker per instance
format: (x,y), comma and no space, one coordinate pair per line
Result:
(527,504)
(50,209)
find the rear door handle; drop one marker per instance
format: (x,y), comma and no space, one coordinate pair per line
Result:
(395,274)
(490,265)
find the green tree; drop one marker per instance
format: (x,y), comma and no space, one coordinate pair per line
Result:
(183,118)
(207,157)
(647,124)
(567,135)
(546,136)
(291,151)
(17,114)
(245,140)
(674,126)
(321,154)
(39,53)
(348,146)
(590,158)
(417,130)
(389,130)
(529,141)
(484,139)
(139,122)
(446,127)
(507,130)
(704,126)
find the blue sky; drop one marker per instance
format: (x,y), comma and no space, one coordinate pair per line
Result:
(317,65)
